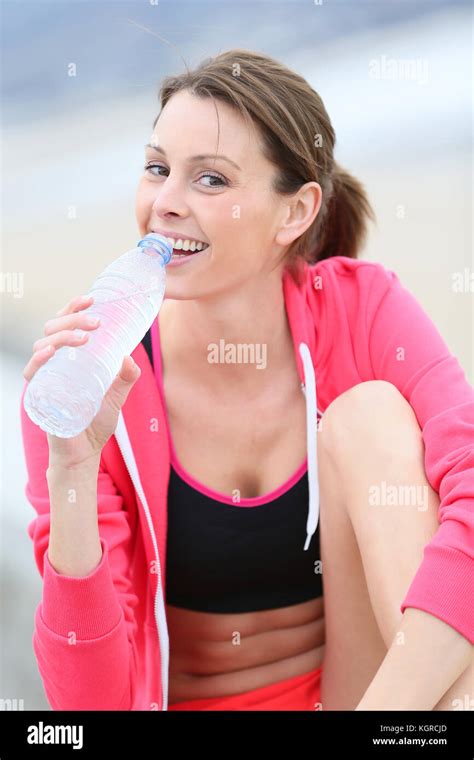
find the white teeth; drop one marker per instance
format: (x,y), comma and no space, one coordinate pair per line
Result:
(184,244)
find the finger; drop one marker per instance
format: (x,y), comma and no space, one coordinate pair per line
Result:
(81,302)
(85,320)
(62,338)
(122,384)
(129,371)
(105,422)
(38,358)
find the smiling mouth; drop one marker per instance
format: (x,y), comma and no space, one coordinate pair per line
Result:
(178,243)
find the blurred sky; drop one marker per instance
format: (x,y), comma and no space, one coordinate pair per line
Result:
(78,142)
(114,57)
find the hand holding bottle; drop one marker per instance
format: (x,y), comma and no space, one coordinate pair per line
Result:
(68,388)
(65,330)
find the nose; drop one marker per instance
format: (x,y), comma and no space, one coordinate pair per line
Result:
(169,199)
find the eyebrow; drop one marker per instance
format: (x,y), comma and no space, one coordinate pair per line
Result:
(193,159)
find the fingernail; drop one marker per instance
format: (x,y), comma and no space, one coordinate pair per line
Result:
(93,320)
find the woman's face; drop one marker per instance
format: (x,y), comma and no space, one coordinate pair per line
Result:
(230,207)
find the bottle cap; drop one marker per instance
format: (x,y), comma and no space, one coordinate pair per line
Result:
(159,243)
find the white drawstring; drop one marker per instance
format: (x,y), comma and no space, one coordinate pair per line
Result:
(309,390)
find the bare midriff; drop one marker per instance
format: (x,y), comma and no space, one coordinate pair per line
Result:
(227,444)
(212,655)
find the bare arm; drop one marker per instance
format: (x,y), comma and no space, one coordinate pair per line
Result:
(425,659)
(74,543)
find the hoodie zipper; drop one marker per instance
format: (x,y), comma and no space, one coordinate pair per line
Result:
(164,685)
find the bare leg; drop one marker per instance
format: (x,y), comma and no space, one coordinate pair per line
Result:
(370,551)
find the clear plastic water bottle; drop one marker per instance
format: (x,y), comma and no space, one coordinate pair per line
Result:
(66,393)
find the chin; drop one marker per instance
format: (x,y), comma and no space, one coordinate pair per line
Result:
(181,291)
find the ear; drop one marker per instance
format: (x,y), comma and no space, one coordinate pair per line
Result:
(300,213)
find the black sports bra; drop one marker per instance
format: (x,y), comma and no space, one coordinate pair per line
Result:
(229,558)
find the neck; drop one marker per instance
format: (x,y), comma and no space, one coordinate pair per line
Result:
(230,341)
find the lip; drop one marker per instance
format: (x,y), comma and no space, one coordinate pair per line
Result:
(176,235)
(172,263)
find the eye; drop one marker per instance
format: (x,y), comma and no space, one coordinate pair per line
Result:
(223,182)
(219,177)
(149,167)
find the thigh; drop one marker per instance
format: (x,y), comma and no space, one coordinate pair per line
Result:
(354,648)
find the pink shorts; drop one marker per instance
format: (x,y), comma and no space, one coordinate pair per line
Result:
(297,693)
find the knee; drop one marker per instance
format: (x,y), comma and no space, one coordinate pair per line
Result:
(372,414)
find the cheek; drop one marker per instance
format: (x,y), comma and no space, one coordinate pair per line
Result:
(144,199)
(232,219)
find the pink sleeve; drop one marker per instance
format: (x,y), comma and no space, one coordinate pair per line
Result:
(84,627)
(406,349)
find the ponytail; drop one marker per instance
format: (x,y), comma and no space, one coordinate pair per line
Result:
(343,230)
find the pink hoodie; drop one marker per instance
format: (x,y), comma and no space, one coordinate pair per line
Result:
(101,641)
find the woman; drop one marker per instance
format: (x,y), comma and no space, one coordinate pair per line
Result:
(187,574)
